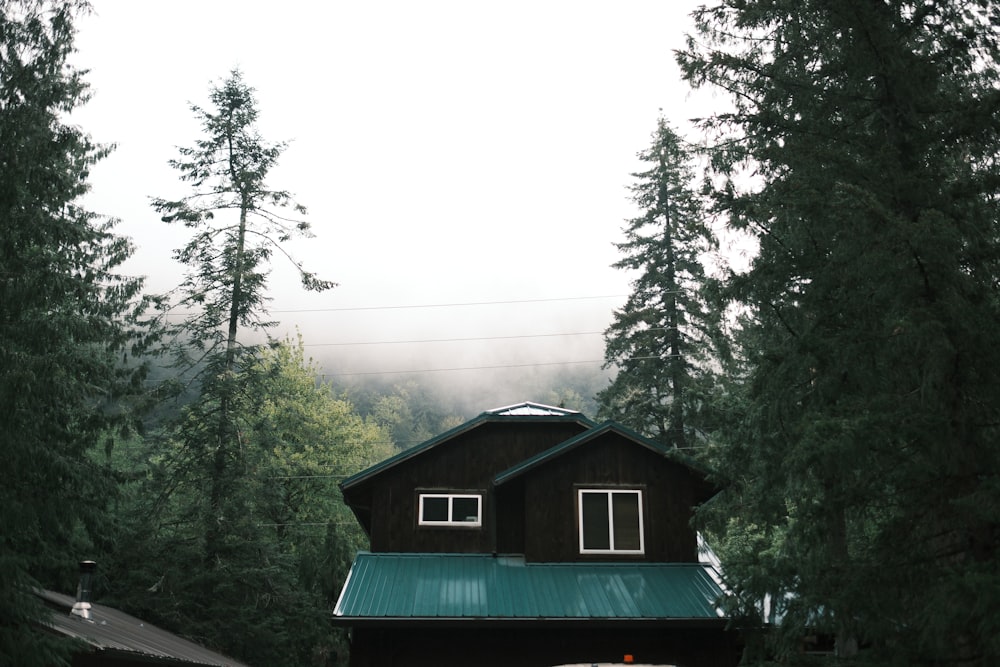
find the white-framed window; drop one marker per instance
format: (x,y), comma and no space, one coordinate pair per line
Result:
(610,521)
(450,509)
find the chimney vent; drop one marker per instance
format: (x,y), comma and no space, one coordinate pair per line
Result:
(81,607)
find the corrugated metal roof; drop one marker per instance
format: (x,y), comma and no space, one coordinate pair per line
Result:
(114,631)
(481,586)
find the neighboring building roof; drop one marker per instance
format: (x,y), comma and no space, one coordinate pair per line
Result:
(526,411)
(384,587)
(118,636)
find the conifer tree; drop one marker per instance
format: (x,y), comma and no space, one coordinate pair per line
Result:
(665,339)
(67,319)
(288,539)
(238,221)
(863,485)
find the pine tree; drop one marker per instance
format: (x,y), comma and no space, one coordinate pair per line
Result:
(665,339)
(67,318)
(864,482)
(239,222)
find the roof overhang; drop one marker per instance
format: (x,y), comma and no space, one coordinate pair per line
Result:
(484,590)
(514,623)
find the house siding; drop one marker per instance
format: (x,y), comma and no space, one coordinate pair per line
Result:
(467,463)
(550,513)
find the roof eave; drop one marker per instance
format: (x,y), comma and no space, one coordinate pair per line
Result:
(520,622)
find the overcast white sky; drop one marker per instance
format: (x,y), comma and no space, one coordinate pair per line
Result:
(448,152)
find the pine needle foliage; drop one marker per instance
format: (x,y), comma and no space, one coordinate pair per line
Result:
(211,456)
(863,482)
(69,321)
(238,222)
(666,339)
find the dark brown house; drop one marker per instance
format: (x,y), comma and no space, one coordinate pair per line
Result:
(532,536)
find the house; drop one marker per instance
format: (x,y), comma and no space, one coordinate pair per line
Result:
(532,536)
(106,637)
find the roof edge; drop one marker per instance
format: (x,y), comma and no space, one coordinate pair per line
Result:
(596,432)
(482,418)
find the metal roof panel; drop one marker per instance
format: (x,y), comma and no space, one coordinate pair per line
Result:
(482,586)
(527,408)
(114,631)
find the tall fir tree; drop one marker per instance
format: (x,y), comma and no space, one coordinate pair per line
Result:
(666,339)
(67,318)
(863,485)
(239,221)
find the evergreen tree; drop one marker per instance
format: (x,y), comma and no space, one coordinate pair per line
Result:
(289,540)
(227,259)
(66,318)
(238,221)
(665,340)
(227,256)
(863,485)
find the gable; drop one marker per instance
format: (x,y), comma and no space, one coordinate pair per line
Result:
(465,459)
(526,412)
(641,447)
(549,505)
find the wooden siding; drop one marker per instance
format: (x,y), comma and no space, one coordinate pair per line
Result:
(510,518)
(550,513)
(466,463)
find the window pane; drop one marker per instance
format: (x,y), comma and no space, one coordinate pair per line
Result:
(435,509)
(594,507)
(625,507)
(465,509)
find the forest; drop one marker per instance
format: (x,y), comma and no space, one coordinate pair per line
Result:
(838,388)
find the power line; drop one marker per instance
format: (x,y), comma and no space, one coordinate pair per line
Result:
(457,304)
(499,367)
(451,305)
(455,340)
(476,338)
(465,368)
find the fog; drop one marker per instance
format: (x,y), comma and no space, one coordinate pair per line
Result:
(450,153)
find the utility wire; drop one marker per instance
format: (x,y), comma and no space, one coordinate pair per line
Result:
(464,368)
(499,366)
(457,304)
(476,338)
(452,305)
(455,340)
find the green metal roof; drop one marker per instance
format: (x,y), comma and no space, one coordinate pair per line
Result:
(410,586)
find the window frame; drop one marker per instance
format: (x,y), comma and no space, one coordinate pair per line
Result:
(450,522)
(609,492)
